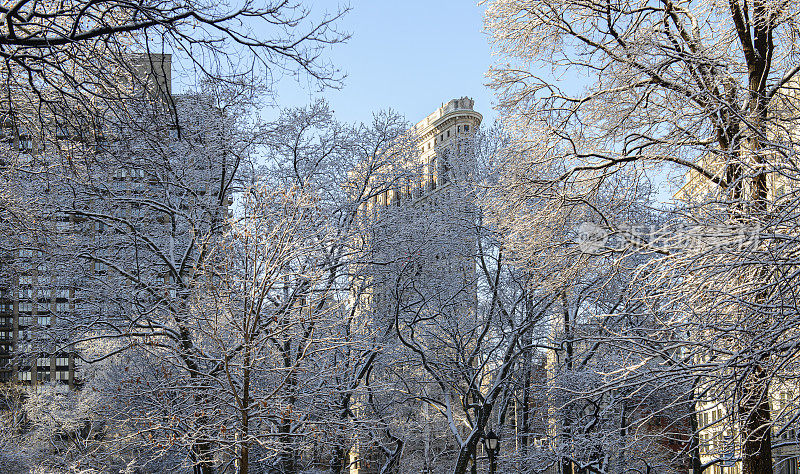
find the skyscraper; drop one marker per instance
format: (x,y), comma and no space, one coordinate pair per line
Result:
(109,222)
(420,239)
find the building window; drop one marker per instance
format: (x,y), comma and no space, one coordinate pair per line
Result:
(26,306)
(62,132)
(25,143)
(24,376)
(432,173)
(43,320)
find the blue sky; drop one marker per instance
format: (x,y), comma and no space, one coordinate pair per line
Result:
(408,55)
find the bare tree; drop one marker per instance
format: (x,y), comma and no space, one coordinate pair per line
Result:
(67,68)
(705,88)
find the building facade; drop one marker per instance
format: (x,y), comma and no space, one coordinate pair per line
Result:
(109,225)
(419,232)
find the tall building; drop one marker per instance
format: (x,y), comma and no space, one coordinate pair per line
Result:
(419,219)
(419,231)
(108,224)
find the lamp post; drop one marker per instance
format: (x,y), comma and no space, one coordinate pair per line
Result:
(492,446)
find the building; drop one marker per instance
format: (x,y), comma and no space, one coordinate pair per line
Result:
(741,226)
(419,232)
(110,227)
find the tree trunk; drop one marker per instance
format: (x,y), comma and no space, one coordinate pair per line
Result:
(244,449)
(694,429)
(338,461)
(466,454)
(566,464)
(756,426)
(204,461)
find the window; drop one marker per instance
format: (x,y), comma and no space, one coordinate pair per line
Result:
(432,173)
(466,128)
(26,306)
(62,361)
(62,307)
(25,143)
(99,266)
(43,320)
(43,362)
(26,320)
(25,279)
(448,134)
(62,131)
(24,376)
(445,172)
(62,375)
(23,253)
(62,293)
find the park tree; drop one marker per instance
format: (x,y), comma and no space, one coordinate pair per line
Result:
(702,90)
(244,307)
(70,67)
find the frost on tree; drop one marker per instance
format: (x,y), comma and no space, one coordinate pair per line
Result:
(673,89)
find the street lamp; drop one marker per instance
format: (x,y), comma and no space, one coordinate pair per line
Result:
(492,446)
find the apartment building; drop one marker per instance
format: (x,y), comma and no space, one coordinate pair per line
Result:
(110,223)
(745,224)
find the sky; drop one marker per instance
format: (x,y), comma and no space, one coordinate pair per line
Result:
(410,55)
